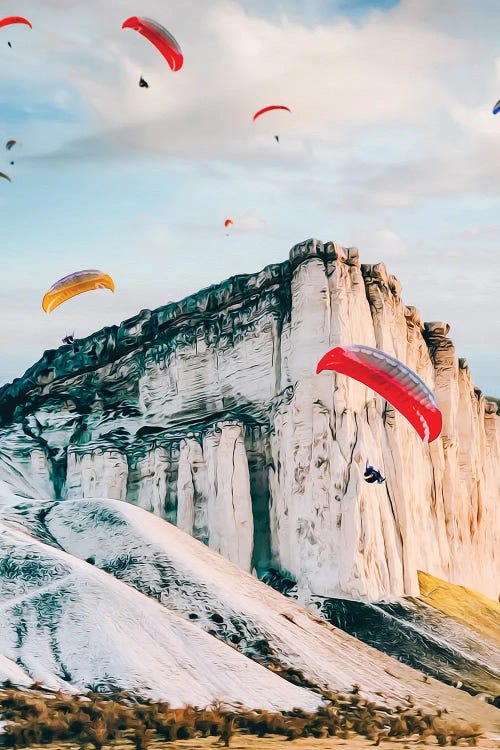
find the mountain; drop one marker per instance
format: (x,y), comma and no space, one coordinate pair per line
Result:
(153,472)
(67,624)
(98,593)
(208,412)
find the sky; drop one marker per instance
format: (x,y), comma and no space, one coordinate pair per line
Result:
(391,147)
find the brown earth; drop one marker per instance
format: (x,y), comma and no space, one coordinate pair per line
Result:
(249,742)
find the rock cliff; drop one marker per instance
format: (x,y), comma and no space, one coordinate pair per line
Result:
(208,413)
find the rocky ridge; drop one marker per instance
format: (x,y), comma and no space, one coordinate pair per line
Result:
(208,413)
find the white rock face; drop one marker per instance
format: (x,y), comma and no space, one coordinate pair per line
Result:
(230,520)
(214,502)
(151,477)
(190,462)
(209,414)
(97,474)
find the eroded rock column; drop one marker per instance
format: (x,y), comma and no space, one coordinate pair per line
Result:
(230,517)
(193,490)
(148,486)
(97,473)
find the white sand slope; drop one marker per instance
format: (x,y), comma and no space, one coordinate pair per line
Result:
(170,566)
(9,670)
(66,622)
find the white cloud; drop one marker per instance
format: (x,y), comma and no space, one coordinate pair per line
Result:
(379,244)
(399,73)
(391,117)
(249,223)
(345,83)
(334,77)
(476,232)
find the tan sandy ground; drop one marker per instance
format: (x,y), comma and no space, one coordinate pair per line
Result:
(251,742)
(466,606)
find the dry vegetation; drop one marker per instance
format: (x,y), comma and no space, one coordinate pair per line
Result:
(36,718)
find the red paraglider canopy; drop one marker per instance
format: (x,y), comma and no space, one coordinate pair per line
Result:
(392,380)
(228,222)
(268,109)
(160,37)
(14,19)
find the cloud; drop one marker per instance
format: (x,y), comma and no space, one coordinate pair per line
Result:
(391,145)
(379,102)
(250,224)
(334,77)
(381,243)
(476,233)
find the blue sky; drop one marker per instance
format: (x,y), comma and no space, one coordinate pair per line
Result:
(391,147)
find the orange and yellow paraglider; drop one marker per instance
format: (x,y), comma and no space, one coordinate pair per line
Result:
(75,283)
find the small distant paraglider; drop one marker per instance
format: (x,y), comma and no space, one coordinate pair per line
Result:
(373,475)
(14,19)
(8,146)
(227,224)
(270,108)
(5,176)
(261,112)
(8,20)
(69,339)
(160,37)
(496,108)
(143,83)
(74,284)
(392,380)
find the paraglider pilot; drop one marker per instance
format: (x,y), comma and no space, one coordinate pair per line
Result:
(373,475)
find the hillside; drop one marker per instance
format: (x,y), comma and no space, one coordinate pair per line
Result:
(188,591)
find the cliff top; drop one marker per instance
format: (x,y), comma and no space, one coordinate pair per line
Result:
(111,343)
